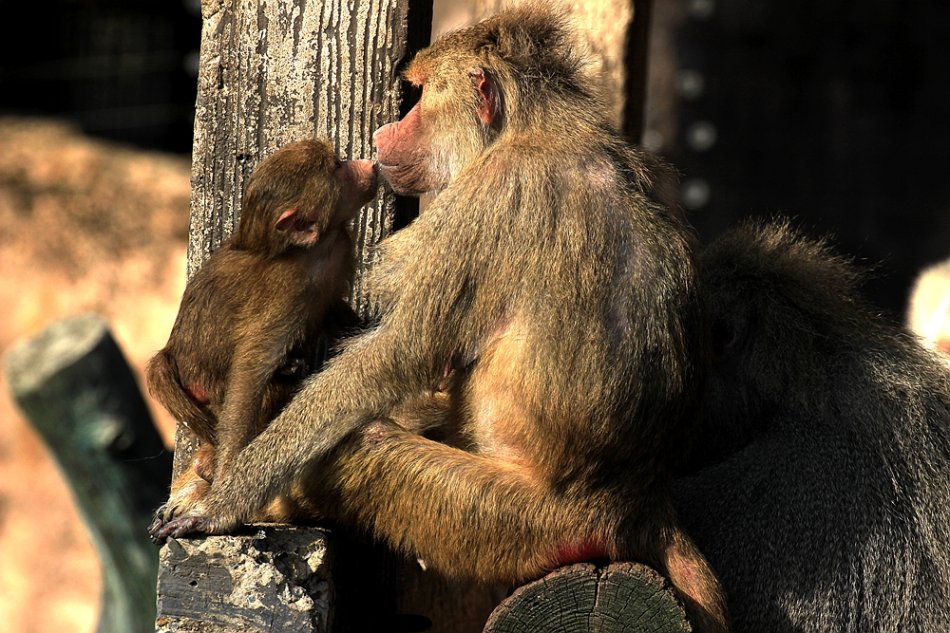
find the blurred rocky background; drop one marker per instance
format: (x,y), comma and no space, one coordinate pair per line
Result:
(85,225)
(96,102)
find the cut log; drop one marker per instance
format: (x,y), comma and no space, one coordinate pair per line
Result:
(619,598)
(76,388)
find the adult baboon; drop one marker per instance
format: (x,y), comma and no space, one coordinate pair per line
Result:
(559,299)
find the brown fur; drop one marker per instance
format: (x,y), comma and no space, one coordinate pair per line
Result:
(255,317)
(563,299)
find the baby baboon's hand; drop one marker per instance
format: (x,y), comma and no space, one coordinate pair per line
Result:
(197,520)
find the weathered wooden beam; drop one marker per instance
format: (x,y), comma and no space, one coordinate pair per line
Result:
(275,71)
(271,72)
(272,580)
(76,388)
(619,598)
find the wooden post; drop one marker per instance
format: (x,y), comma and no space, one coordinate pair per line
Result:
(275,71)
(619,598)
(76,388)
(272,72)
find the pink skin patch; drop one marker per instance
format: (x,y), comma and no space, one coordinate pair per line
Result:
(587,551)
(198,393)
(944,345)
(374,433)
(443,384)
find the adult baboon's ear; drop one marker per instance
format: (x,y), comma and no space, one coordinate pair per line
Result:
(286,220)
(487,96)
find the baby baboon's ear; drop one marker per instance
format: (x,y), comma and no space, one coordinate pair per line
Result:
(300,231)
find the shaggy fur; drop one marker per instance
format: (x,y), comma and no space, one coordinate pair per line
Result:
(822,487)
(257,315)
(561,298)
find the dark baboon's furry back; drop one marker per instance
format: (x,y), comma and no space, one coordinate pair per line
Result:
(821,483)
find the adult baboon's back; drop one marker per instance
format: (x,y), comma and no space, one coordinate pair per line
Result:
(820,483)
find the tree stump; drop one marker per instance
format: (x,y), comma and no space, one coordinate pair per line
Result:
(272,580)
(76,388)
(582,598)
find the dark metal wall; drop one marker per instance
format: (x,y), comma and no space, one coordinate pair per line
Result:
(120,69)
(835,112)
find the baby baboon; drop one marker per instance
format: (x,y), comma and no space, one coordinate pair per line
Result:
(255,318)
(821,483)
(561,302)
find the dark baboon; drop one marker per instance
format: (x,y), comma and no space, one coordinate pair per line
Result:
(255,316)
(562,302)
(822,491)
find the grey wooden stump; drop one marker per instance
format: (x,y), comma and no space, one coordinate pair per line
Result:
(582,598)
(275,579)
(76,388)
